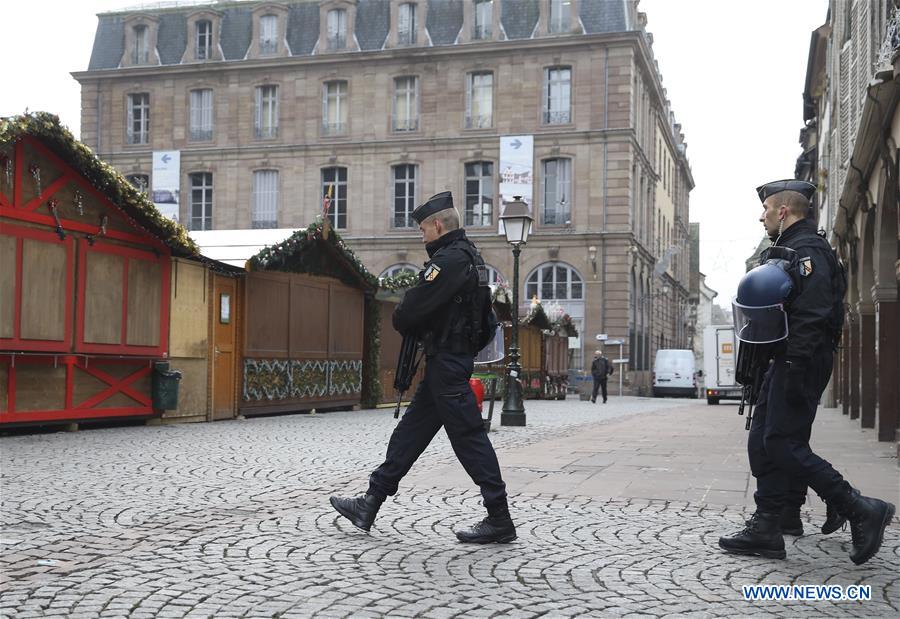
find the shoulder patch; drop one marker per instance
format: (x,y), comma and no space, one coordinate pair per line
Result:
(806,266)
(432,272)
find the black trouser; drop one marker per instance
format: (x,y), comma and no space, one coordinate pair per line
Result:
(599,383)
(443,398)
(778,444)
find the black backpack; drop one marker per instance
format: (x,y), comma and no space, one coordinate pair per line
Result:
(838,286)
(482,321)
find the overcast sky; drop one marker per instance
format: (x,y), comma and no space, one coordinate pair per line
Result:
(734,72)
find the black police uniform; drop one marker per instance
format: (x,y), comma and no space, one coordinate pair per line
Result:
(433,310)
(781,459)
(778,445)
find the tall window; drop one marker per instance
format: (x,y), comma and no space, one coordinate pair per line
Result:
(335,179)
(479,193)
(203,30)
(484,15)
(141,52)
(554,280)
(264,211)
(266,111)
(557,203)
(202,114)
(406,24)
(141,182)
(268,34)
(201,200)
(480,100)
(406,103)
(334,108)
(494,276)
(138,129)
(404,195)
(336,23)
(560,15)
(557,95)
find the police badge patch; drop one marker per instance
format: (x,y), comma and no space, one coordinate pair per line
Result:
(806,266)
(432,272)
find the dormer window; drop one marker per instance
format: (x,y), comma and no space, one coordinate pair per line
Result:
(560,16)
(484,10)
(141,54)
(337,29)
(406,24)
(203,39)
(268,34)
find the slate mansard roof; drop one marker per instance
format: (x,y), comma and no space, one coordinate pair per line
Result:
(443,22)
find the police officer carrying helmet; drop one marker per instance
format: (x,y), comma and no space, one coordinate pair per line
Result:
(793,306)
(436,311)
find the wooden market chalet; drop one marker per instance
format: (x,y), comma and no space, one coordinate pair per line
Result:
(99,291)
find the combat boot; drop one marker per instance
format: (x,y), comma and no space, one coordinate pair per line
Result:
(868,519)
(833,519)
(360,511)
(497,527)
(761,537)
(790,522)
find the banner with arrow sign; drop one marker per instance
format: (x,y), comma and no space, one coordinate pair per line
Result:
(516,169)
(166,182)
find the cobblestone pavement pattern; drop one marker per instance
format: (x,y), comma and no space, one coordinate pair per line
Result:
(232,520)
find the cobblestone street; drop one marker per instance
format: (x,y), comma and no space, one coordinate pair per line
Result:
(618,507)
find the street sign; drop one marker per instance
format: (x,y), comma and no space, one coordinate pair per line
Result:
(625,360)
(602,337)
(615,342)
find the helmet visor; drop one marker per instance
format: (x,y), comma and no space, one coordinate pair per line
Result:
(759,325)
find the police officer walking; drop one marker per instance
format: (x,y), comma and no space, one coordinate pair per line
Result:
(436,311)
(601,370)
(810,280)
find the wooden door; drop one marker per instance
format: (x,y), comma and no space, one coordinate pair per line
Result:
(225,307)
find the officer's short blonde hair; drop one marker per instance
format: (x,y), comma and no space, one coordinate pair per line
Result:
(795,201)
(449,218)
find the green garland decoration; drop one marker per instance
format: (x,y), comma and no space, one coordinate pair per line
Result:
(401,281)
(102,176)
(371,389)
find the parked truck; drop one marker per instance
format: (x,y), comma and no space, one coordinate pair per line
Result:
(719,356)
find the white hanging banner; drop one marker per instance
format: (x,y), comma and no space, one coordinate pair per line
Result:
(167,182)
(516,169)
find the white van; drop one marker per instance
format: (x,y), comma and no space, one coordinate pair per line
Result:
(674,373)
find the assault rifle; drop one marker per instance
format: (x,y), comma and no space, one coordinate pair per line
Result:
(752,362)
(407,364)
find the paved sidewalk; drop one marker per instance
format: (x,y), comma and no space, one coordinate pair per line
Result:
(619,507)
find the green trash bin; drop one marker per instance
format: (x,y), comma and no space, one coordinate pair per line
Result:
(164,386)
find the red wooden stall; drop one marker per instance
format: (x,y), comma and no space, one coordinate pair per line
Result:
(84,269)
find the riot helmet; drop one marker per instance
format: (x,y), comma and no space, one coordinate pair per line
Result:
(759,316)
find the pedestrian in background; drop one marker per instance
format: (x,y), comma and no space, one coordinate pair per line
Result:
(797,372)
(438,310)
(601,370)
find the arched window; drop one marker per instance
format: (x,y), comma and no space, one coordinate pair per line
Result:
(554,280)
(397,269)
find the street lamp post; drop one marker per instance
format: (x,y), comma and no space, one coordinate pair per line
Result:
(516,220)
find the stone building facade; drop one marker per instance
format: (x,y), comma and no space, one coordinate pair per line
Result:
(850,149)
(386,102)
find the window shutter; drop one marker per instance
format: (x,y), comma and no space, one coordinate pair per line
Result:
(545,106)
(470,88)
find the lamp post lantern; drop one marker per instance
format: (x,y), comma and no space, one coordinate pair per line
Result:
(516,220)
